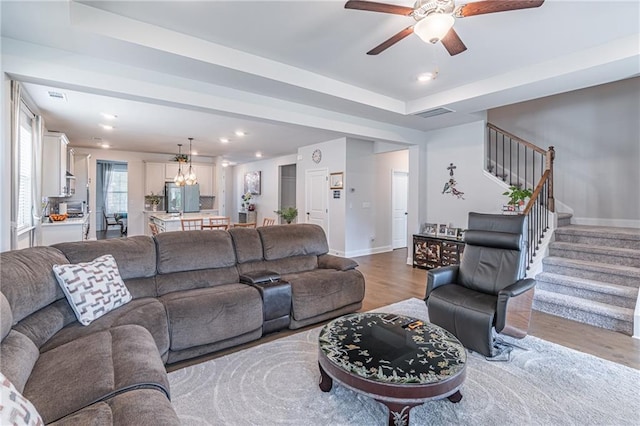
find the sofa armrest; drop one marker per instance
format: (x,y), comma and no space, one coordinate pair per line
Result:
(329,261)
(513,311)
(441,276)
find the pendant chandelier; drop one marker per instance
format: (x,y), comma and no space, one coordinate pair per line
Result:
(179,179)
(190,178)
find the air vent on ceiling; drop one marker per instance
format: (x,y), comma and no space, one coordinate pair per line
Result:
(57,95)
(434,112)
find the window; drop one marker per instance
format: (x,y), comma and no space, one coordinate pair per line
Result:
(117,192)
(25,170)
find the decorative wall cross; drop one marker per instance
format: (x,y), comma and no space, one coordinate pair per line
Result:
(450,185)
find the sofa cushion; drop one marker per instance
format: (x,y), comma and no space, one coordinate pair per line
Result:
(29,285)
(112,361)
(194,250)
(208,315)
(139,407)
(323,290)
(146,312)
(293,240)
(92,288)
(135,256)
(247,244)
(15,409)
(18,355)
(190,280)
(287,265)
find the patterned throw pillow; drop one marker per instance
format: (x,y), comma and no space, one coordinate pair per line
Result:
(92,288)
(15,409)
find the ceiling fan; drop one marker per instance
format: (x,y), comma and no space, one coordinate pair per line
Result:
(435,19)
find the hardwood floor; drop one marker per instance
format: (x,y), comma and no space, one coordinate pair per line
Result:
(389,279)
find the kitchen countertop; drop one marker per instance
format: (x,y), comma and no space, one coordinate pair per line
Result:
(171,217)
(69,221)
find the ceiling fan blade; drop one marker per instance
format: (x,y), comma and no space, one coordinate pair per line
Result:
(493,6)
(453,43)
(378,7)
(390,42)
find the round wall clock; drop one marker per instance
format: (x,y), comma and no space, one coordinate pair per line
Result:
(316,156)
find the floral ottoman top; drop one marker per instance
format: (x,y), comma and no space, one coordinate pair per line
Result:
(381,347)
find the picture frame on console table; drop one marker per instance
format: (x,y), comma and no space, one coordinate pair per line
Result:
(452,232)
(442,230)
(429,229)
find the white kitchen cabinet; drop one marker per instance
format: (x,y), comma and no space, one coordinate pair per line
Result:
(154,178)
(204,173)
(171,170)
(54,165)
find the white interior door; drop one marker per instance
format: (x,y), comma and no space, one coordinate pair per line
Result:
(399,194)
(316,193)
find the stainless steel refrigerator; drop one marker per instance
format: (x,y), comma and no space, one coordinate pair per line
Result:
(182,198)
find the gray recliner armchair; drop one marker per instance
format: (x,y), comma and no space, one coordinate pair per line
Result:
(487,290)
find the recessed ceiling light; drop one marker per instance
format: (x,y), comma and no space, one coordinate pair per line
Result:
(224,140)
(427,76)
(194,152)
(106,126)
(109,116)
(225,163)
(258,154)
(105,145)
(240,133)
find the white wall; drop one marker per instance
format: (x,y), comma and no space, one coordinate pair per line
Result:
(359,191)
(596,135)
(464,147)
(268,200)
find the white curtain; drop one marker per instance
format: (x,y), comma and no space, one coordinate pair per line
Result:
(107,175)
(16,93)
(38,137)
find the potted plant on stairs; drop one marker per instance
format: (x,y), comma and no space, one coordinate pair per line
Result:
(287,213)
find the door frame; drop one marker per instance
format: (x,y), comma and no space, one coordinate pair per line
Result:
(393,174)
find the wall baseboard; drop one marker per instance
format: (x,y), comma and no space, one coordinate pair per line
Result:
(365,252)
(624,223)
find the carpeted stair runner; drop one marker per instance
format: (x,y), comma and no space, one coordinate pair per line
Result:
(592,275)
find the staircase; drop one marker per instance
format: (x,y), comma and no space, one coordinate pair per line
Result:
(592,275)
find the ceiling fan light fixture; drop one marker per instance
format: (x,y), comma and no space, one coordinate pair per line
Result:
(432,28)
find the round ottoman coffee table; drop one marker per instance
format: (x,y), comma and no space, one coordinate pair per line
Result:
(396,360)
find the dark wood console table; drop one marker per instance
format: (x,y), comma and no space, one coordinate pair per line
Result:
(430,251)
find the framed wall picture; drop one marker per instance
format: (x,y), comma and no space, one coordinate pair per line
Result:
(336,181)
(252,183)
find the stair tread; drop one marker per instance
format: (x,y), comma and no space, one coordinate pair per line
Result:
(603,309)
(590,248)
(601,231)
(593,266)
(593,285)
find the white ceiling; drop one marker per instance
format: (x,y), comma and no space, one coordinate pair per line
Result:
(292,73)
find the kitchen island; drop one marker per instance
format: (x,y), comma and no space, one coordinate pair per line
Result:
(171,221)
(71,229)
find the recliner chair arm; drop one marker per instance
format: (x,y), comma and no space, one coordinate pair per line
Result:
(513,310)
(329,261)
(441,276)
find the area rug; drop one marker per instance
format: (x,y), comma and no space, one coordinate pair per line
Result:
(276,383)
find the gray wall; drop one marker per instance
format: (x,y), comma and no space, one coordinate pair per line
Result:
(596,133)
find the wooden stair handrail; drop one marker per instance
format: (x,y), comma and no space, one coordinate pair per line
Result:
(536,193)
(517,139)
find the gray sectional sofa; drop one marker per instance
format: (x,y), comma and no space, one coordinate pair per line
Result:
(187,301)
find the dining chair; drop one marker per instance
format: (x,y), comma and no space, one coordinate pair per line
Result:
(244,225)
(112,220)
(217,223)
(268,221)
(154,229)
(191,224)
